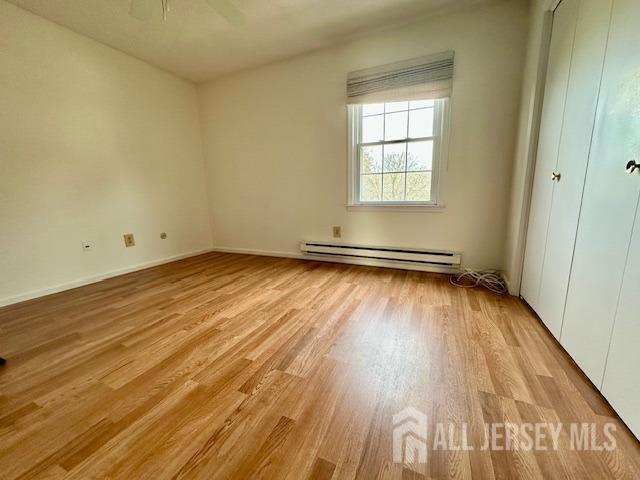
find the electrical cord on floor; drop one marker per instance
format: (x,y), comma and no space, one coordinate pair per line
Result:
(489,279)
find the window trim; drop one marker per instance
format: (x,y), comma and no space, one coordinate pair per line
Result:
(440,144)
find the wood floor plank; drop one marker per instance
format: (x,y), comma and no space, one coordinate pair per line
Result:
(225,366)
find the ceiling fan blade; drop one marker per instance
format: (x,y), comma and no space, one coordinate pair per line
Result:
(229,11)
(142,9)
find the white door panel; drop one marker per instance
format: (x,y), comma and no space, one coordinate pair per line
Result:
(621,385)
(580,108)
(563,31)
(609,202)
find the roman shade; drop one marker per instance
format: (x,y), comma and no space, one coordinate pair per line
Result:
(427,77)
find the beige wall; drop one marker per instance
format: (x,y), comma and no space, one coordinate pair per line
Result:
(275,141)
(531,103)
(93,144)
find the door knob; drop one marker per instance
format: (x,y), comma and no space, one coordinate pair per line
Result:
(632,166)
(555,177)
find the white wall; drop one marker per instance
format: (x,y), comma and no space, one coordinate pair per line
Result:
(93,144)
(527,139)
(276,140)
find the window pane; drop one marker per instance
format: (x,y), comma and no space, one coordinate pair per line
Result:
(395,156)
(372,129)
(420,156)
(395,126)
(421,103)
(418,186)
(370,188)
(372,108)
(396,106)
(371,159)
(393,186)
(421,123)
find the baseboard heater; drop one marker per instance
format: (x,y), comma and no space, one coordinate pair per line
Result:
(398,257)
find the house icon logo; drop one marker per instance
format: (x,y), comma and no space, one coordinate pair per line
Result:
(410,436)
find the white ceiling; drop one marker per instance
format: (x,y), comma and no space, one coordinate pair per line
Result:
(198,44)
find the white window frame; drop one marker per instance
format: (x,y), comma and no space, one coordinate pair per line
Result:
(440,142)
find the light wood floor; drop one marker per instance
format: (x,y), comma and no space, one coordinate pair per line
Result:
(230,366)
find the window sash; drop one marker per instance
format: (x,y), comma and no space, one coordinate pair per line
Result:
(355,130)
(402,140)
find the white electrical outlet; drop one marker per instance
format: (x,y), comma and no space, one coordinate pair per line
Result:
(87,246)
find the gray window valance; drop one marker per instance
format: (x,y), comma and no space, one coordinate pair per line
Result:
(427,77)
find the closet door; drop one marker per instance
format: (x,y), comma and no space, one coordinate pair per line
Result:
(577,128)
(562,35)
(621,384)
(610,200)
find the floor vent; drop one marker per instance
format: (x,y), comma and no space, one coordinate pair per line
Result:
(399,257)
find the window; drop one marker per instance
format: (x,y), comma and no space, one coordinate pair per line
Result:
(396,151)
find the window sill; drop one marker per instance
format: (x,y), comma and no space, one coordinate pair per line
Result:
(394,207)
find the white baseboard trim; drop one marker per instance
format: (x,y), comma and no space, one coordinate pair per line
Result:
(97,278)
(509,285)
(350,260)
(244,251)
(262,253)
